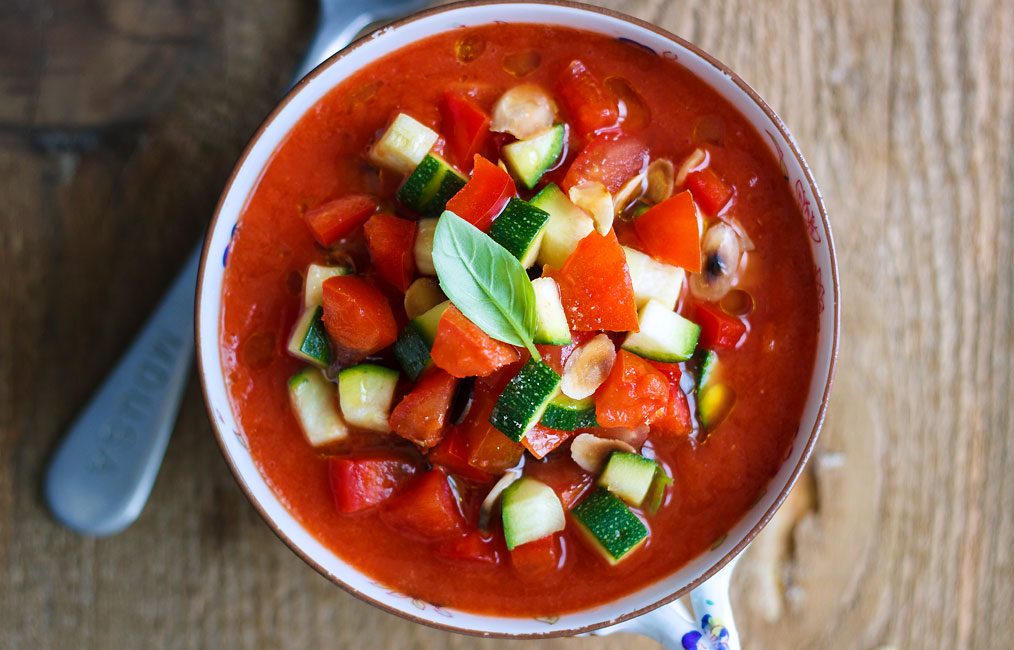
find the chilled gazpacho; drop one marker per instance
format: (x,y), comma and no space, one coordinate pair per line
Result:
(520,319)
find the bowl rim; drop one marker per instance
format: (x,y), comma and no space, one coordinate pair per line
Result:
(828,379)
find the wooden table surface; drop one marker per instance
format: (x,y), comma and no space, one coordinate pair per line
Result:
(121,120)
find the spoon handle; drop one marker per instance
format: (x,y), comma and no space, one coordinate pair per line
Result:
(100,477)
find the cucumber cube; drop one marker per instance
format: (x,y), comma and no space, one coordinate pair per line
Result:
(313,289)
(609,525)
(519,229)
(524,400)
(663,335)
(567,414)
(309,340)
(313,402)
(552,327)
(366,393)
(629,476)
(531,511)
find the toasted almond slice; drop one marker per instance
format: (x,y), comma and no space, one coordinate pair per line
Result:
(595,199)
(591,452)
(661,174)
(523,111)
(486,509)
(587,367)
(698,158)
(629,193)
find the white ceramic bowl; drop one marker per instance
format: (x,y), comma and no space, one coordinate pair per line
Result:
(369,49)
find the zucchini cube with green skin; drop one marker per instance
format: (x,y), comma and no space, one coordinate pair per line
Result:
(552,327)
(366,393)
(653,280)
(430,186)
(313,402)
(707,369)
(524,400)
(567,225)
(404,145)
(713,404)
(412,349)
(567,414)
(313,286)
(609,525)
(531,510)
(663,335)
(519,229)
(309,340)
(529,159)
(629,476)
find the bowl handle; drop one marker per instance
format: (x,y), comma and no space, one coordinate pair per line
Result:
(710,627)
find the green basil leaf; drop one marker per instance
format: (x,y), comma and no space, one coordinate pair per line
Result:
(485,282)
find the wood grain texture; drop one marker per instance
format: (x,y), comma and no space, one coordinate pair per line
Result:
(120,120)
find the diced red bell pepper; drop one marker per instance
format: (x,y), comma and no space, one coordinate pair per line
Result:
(586,100)
(421,416)
(473,548)
(609,160)
(671,232)
(538,560)
(361,482)
(464,350)
(335,219)
(465,125)
(425,508)
(718,329)
(670,370)
(709,190)
(452,454)
(632,394)
(541,440)
(391,242)
(357,316)
(675,419)
(484,195)
(595,286)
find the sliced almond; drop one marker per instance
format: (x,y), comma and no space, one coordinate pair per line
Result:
(630,192)
(489,503)
(697,159)
(523,111)
(591,452)
(661,174)
(595,199)
(421,296)
(587,367)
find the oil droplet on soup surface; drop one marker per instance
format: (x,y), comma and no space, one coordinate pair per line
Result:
(737,303)
(259,350)
(521,64)
(469,48)
(710,129)
(635,112)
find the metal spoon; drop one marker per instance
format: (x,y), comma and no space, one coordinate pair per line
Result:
(102,473)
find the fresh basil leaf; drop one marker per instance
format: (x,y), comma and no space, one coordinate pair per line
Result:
(485,282)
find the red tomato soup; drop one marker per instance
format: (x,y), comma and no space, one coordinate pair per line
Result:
(620,219)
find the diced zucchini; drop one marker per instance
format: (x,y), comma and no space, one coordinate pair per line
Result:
(365,393)
(567,414)
(663,335)
(412,349)
(524,400)
(424,246)
(610,526)
(430,186)
(309,340)
(714,404)
(552,328)
(656,495)
(313,286)
(567,225)
(403,146)
(529,159)
(653,280)
(315,405)
(707,369)
(519,229)
(531,511)
(629,476)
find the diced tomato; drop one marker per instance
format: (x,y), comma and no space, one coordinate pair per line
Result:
(718,329)
(586,100)
(421,416)
(595,286)
(670,370)
(566,478)
(335,219)
(465,125)
(426,508)
(541,440)
(361,482)
(609,160)
(709,190)
(452,454)
(671,232)
(464,350)
(484,195)
(488,448)
(473,548)
(675,418)
(357,316)
(632,394)
(391,242)
(536,561)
